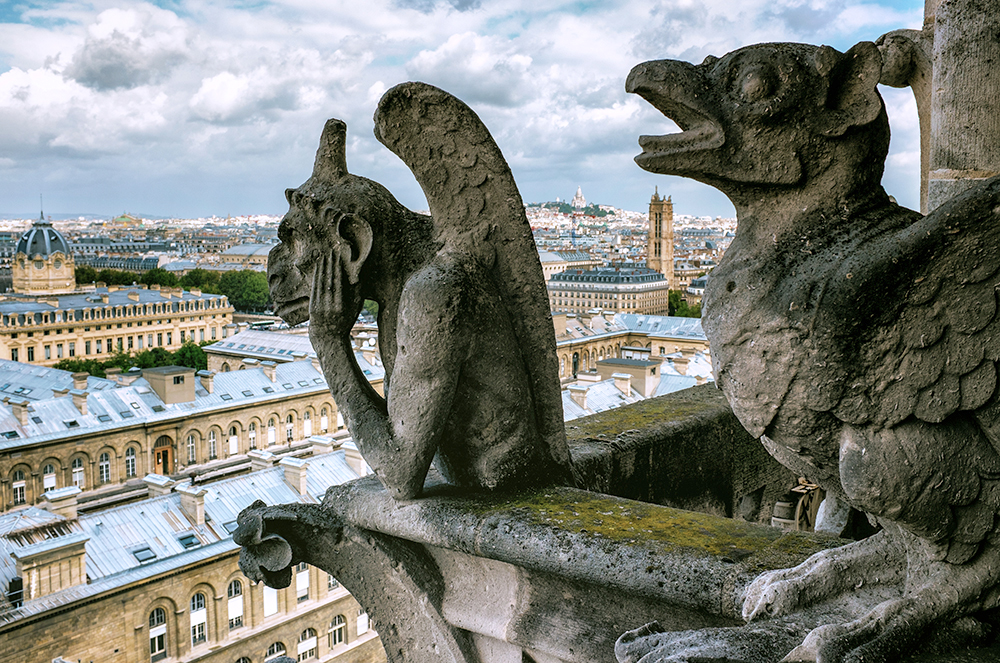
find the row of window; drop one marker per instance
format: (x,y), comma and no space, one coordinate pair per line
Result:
(104,313)
(111,344)
(198,620)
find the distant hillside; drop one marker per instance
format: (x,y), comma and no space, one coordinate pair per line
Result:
(566,208)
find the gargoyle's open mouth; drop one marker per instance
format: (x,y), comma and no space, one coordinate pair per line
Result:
(673,89)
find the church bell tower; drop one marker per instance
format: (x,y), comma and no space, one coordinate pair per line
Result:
(660,245)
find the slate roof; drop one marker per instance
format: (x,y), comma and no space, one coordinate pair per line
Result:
(42,239)
(14,304)
(115,534)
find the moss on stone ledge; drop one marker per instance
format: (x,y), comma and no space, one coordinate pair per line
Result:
(662,529)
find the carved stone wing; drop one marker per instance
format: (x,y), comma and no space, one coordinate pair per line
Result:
(478,211)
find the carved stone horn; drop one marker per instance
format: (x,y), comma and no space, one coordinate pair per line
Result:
(331,157)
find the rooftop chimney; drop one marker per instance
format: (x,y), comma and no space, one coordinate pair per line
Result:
(80,380)
(79,400)
(623,382)
(322,444)
(62,501)
(296,472)
(59,393)
(158,484)
(19,407)
(354,459)
(681,364)
(193,502)
(579,394)
(112,373)
(260,459)
(269,370)
(207,380)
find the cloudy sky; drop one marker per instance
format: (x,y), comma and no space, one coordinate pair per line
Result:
(186,108)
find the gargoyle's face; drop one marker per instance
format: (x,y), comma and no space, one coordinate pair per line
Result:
(745,117)
(291,264)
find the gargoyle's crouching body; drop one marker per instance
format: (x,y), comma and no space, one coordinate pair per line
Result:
(466,341)
(856,338)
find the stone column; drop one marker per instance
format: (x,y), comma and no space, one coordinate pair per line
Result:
(965,124)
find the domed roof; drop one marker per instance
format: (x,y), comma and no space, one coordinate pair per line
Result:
(42,239)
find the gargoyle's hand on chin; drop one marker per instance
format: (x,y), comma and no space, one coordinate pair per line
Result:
(334,304)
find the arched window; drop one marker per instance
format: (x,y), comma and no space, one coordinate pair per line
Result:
(324,420)
(79,478)
(235,606)
(289,426)
(199,617)
(19,487)
(104,467)
(307,425)
(271,439)
(130,469)
(243,659)
(274,651)
(252,434)
(157,635)
(212,446)
(234,441)
(48,477)
(192,456)
(225,368)
(338,627)
(307,645)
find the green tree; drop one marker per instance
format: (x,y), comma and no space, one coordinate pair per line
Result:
(372,308)
(191,355)
(680,308)
(85,274)
(204,279)
(246,289)
(159,276)
(117,277)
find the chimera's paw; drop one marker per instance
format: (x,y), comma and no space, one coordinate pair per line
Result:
(773,594)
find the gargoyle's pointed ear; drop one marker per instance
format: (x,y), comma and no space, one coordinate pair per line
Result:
(852,99)
(355,245)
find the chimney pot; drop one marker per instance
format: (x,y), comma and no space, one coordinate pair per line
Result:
(80,380)
(623,382)
(296,474)
(79,400)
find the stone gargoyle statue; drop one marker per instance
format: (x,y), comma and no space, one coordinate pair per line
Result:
(471,374)
(858,339)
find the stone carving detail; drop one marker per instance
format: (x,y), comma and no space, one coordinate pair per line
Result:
(397,582)
(466,339)
(857,338)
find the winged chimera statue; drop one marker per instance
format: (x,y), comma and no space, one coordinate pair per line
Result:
(471,374)
(858,339)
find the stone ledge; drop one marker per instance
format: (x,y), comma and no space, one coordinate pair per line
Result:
(690,560)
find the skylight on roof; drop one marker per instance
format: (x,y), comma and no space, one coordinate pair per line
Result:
(135,406)
(37,420)
(288,385)
(225,397)
(126,414)
(104,417)
(303,383)
(144,554)
(72,423)
(318,380)
(247,392)
(158,408)
(10,434)
(230,526)
(268,390)
(188,540)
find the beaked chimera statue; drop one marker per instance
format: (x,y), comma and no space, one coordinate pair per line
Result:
(471,375)
(857,338)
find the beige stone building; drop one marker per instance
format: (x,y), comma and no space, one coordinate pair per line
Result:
(103,435)
(158,579)
(47,319)
(616,289)
(584,340)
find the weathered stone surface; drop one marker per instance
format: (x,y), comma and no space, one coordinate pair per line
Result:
(468,347)
(852,335)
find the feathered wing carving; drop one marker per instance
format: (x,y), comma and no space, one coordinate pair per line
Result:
(478,212)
